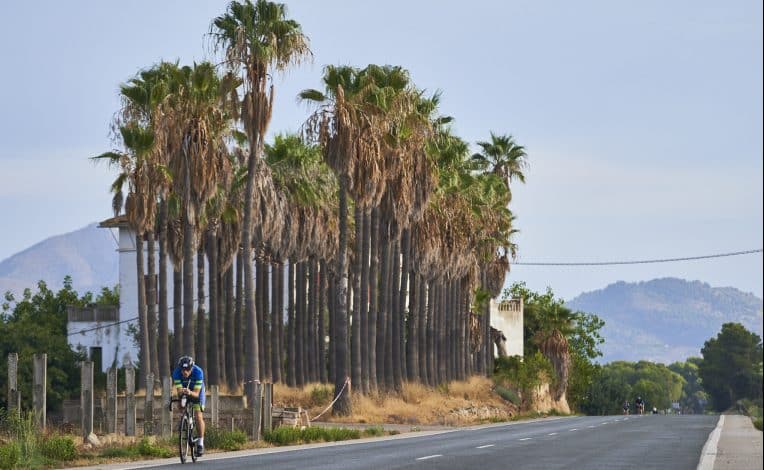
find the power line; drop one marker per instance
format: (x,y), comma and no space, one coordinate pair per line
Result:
(647,261)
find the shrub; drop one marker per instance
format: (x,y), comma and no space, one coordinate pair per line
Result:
(508,395)
(58,448)
(112,452)
(374,431)
(151,449)
(320,394)
(282,435)
(9,455)
(217,438)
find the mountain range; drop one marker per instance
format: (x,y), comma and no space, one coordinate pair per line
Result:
(666,320)
(662,320)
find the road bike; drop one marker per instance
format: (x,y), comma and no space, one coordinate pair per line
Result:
(187,437)
(641,408)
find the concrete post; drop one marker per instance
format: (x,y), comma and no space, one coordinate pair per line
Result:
(257,410)
(111,400)
(148,410)
(268,408)
(86,398)
(14,397)
(39,388)
(129,400)
(215,404)
(166,412)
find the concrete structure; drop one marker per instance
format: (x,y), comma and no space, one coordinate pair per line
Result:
(507,316)
(103,331)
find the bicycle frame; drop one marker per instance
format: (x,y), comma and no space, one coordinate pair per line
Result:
(186,429)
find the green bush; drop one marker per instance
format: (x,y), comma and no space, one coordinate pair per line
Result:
(151,449)
(508,395)
(112,452)
(217,438)
(524,374)
(9,456)
(58,448)
(374,431)
(320,394)
(285,435)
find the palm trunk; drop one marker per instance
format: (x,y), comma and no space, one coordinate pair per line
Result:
(144,355)
(300,336)
(405,316)
(291,329)
(201,317)
(342,407)
(373,298)
(177,312)
(422,327)
(214,362)
(313,320)
(396,313)
(151,302)
(232,358)
(412,336)
(322,309)
(188,289)
(384,260)
(432,294)
(389,315)
(355,341)
(251,363)
(364,307)
(163,352)
(240,319)
(277,316)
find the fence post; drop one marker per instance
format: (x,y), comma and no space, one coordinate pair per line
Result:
(39,388)
(166,411)
(14,397)
(268,408)
(129,400)
(148,410)
(215,404)
(111,400)
(257,410)
(86,398)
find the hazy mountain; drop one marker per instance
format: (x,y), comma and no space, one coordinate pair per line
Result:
(666,320)
(88,255)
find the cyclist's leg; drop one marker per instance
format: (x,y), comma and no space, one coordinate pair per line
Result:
(198,411)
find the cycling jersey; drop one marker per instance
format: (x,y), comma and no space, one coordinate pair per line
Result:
(194,382)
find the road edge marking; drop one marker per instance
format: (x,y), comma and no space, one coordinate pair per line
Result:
(708,454)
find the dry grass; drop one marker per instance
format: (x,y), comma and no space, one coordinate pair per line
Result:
(459,403)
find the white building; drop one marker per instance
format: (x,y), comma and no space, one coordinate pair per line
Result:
(103,331)
(507,317)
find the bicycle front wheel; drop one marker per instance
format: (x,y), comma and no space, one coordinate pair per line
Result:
(183,429)
(192,440)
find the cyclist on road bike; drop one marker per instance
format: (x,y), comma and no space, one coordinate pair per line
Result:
(626,407)
(189,380)
(640,404)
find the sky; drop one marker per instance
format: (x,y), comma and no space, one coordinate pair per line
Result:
(642,121)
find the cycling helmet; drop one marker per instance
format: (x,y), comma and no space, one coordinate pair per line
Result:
(186,362)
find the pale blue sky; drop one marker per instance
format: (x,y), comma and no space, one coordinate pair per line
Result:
(642,120)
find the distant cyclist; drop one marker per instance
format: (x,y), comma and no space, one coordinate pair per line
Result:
(626,407)
(189,380)
(640,405)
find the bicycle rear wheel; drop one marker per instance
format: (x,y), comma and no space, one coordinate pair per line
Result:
(183,438)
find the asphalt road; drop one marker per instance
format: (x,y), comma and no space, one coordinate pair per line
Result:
(608,442)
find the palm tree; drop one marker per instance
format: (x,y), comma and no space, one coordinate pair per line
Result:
(257,37)
(503,157)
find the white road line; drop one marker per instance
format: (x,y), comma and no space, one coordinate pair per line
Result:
(604,423)
(574,429)
(708,454)
(591,427)
(483,447)
(552,434)
(525,439)
(430,457)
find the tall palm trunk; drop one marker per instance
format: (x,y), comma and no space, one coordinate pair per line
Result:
(188,289)
(389,315)
(291,329)
(201,317)
(277,316)
(213,366)
(412,325)
(221,315)
(232,358)
(144,355)
(151,302)
(403,298)
(177,312)
(342,407)
(396,313)
(322,309)
(373,298)
(384,260)
(163,351)
(240,319)
(251,362)
(422,327)
(300,324)
(355,341)
(364,307)
(432,294)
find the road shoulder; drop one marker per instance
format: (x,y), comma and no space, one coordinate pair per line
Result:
(740,445)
